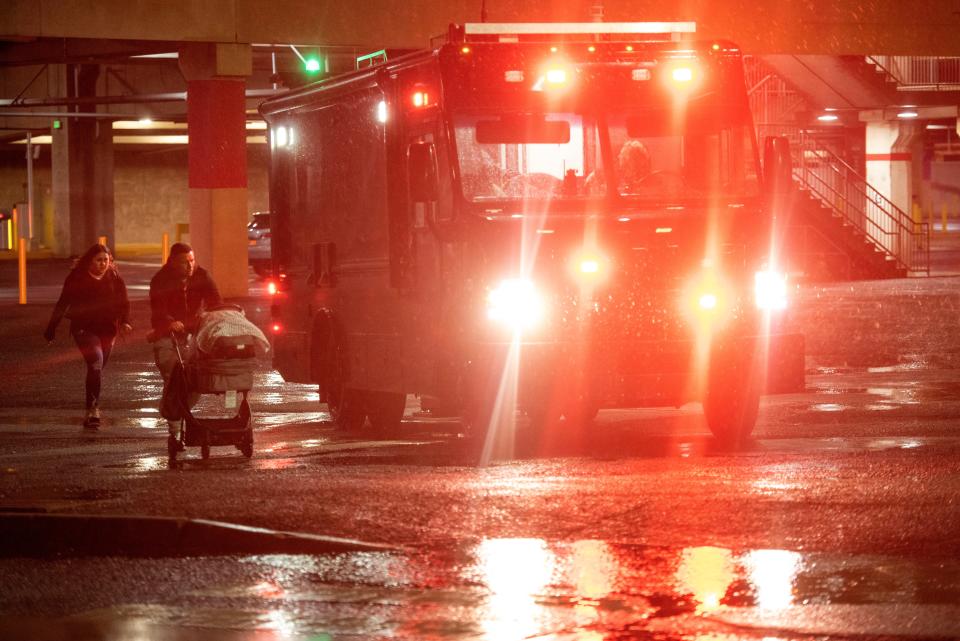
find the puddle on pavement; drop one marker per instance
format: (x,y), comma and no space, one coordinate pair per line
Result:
(518,588)
(510,589)
(885,397)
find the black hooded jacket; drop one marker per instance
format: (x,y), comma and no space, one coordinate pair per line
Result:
(174,299)
(91,304)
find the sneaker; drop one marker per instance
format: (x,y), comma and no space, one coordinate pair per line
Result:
(92,421)
(174,443)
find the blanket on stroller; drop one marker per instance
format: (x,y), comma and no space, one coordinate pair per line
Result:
(228,320)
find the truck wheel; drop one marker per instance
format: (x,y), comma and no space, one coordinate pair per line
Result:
(544,416)
(731,405)
(346,406)
(385,410)
(581,411)
(543,430)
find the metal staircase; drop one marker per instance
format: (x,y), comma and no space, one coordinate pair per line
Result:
(838,226)
(883,240)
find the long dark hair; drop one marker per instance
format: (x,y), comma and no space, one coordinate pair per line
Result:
(83,263)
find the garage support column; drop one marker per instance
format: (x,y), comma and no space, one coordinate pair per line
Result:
(217,159)
(889,154)
(82,164)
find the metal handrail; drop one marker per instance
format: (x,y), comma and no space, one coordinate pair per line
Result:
(920,73)
(880,63)
(848,195)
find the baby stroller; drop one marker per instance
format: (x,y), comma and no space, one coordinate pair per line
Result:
(222,365)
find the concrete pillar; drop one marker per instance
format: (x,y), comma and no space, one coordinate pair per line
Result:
(890,151)
(82,166)
(217,159)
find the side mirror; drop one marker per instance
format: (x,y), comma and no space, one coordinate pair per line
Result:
(422,172)
(777,164)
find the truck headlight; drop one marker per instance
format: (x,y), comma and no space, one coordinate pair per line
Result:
(515,303)
(770,290)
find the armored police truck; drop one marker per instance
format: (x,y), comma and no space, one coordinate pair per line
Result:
(547,219)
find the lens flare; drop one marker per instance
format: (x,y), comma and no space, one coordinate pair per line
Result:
(770,289)
(515,303)
(556,76)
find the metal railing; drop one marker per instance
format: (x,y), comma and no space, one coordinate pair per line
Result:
(772,100)
(920,73)
(847,194)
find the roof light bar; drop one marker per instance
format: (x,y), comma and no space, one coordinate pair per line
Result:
(572,28)
(512,31)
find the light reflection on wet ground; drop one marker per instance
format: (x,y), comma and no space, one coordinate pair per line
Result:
(291,425)
(869,392)
(522,588)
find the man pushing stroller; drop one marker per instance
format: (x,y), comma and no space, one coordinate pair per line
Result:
(179,292)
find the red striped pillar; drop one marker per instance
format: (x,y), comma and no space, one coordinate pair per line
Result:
(217,158)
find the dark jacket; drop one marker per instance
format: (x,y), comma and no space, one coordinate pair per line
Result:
(95,305)
(174,299)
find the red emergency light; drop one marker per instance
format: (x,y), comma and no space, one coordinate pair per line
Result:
(420,99)
(555,76)
(683,74)
(589,266)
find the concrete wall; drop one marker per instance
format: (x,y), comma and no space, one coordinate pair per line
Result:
(942,190)
(150,192)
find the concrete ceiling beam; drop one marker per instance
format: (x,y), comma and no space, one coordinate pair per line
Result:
(893,27)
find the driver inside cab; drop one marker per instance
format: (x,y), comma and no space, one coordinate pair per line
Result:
(633,166)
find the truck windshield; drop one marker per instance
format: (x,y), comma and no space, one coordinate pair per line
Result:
(650,156)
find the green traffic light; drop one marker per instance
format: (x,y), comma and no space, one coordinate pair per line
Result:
(312,65)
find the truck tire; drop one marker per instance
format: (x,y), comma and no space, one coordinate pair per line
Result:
(385,410)
(347,409)
(346,406)
(580,411)
(732,401)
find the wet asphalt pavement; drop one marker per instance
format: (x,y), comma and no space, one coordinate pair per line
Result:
(840,520)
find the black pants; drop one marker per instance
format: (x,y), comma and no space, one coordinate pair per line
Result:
(95,348)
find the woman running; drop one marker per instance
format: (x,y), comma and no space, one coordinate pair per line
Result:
(94,298)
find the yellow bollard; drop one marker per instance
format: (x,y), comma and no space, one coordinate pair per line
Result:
(22,268)
(102,240)
(943,217)
(164,248)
